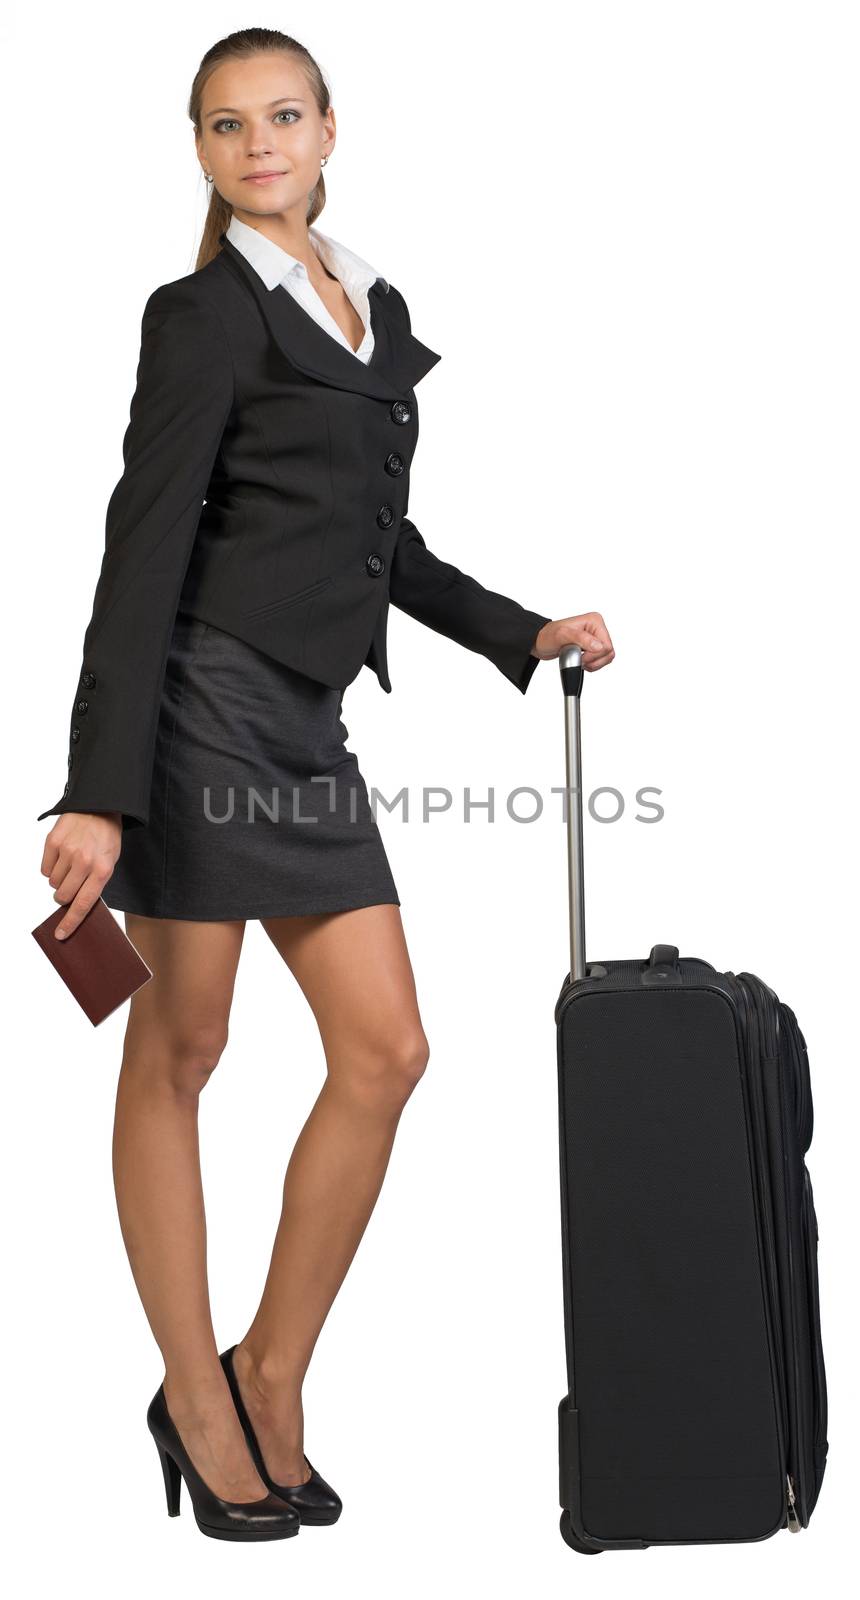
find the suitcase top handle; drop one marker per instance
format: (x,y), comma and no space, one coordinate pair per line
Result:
(663,965)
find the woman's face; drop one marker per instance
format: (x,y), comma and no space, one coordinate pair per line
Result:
(259,116)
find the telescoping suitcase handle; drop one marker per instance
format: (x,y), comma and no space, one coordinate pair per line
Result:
(572,673)
(663,964)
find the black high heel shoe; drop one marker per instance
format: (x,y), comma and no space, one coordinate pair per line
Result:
(315,1501)
(268,1518)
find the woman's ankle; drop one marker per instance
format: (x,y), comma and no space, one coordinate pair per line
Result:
(265,1376)
(196,1395)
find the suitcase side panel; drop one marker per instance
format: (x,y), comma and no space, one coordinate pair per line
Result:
(668,1334)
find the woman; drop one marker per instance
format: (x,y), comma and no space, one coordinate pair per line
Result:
(206,732)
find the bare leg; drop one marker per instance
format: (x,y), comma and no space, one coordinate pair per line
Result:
(176,1032)
(355,971)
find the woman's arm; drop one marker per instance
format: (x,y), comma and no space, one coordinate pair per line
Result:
(182,400)
(449,601)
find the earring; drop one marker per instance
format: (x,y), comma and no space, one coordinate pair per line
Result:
(324,160)
(208,177)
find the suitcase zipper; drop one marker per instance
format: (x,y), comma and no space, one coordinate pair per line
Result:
(809,1232)
(759,1040)
(784,1042)
(775,1029)
(800,1067)
(793,1519)
(819,1381)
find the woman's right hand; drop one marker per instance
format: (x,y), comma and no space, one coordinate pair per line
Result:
(587,629)
(80,854)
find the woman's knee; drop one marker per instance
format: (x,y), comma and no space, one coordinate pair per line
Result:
(181,1058)
(387,1069)
(410,1059)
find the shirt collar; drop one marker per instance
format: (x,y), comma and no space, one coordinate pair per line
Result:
(275,264)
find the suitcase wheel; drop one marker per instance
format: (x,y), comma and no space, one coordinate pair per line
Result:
(572,1539)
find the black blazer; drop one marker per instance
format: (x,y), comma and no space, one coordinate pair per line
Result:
(301,453)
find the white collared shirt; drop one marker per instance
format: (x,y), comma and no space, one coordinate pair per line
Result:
(276,266)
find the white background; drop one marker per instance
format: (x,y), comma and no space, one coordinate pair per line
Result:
(630,230)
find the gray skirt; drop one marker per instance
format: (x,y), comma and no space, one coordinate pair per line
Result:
(257,807)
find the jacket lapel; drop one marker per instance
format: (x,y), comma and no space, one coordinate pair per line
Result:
(398,362)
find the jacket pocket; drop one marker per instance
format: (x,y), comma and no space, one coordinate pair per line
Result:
(290,599)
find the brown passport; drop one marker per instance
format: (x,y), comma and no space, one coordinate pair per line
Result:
(98,962)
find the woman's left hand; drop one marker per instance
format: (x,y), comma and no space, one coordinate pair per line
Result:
(588,630)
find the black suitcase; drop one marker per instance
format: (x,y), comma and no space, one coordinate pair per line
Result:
(697,1405)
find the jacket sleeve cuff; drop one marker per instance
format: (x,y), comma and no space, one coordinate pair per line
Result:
(129,819)
(531,662)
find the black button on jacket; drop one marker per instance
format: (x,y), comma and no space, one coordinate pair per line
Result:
(257,458)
